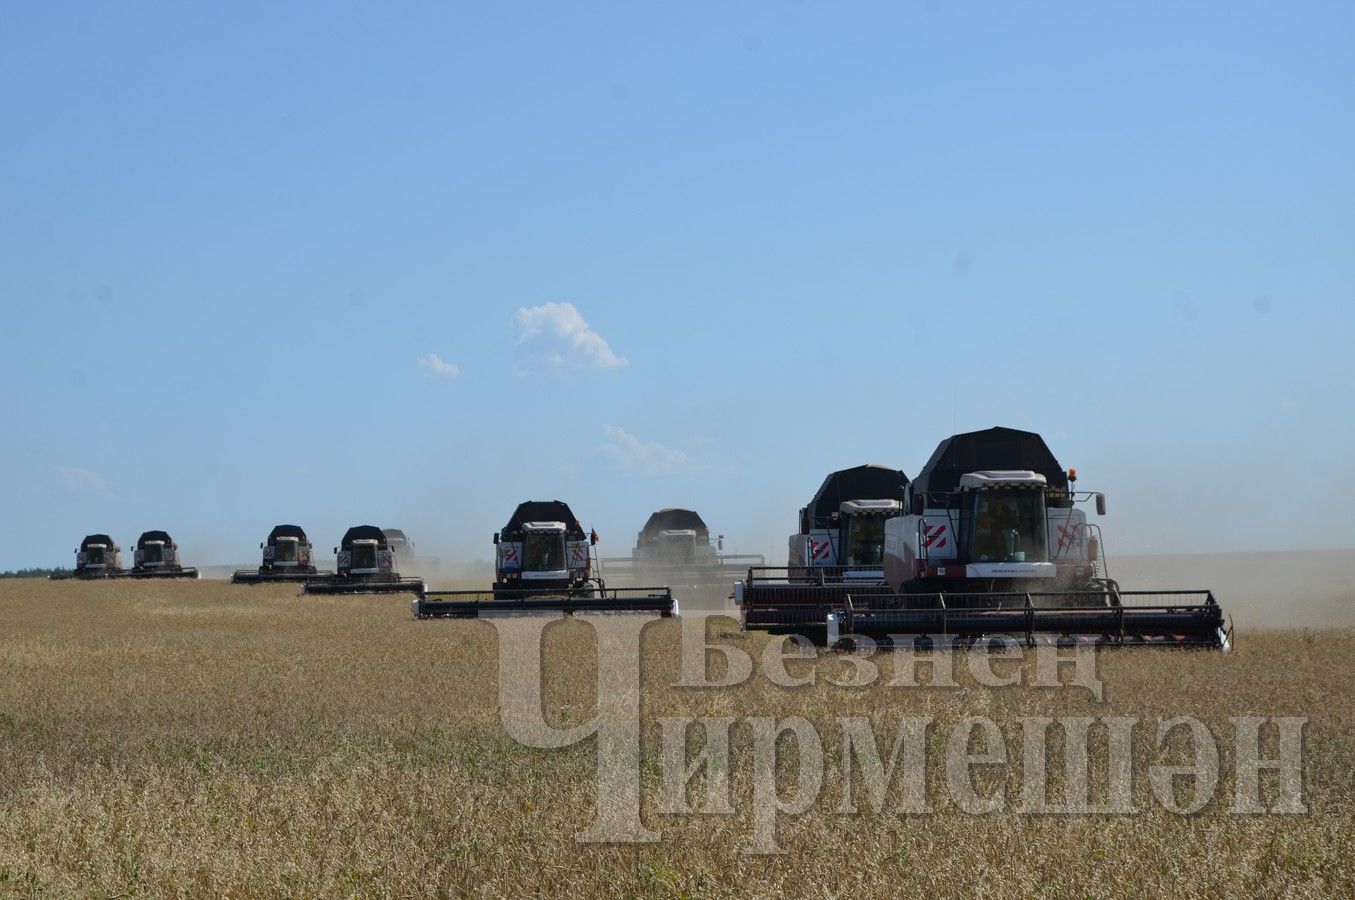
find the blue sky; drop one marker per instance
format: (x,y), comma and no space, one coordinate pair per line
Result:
(347,263)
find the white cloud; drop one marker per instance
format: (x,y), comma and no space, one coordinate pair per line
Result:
(435,366)
(568,339)
(649,457)
(84,481)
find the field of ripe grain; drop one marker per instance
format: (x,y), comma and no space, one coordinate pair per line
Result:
(200,739)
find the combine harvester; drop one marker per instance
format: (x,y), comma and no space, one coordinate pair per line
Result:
(544,564)
(675,548)
(157,556)
(993,546)
(400,545)
(366,565)
(287,556)
(838,551)
(98,556)
(405,557)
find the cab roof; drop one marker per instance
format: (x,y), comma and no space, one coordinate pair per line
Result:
(544,511)
(867,482)
(994,449)
(674,519)
(291,531)
(363,533)
(150,536)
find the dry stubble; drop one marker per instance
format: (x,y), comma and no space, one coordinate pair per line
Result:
(204,739)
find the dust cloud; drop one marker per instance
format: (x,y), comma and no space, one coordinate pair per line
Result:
(1270,589)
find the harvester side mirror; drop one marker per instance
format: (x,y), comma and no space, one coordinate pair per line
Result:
(720,542)
(1100,504)
(496,538)
(261,546)
(919,504)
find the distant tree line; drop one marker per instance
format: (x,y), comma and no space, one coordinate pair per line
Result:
(31,573)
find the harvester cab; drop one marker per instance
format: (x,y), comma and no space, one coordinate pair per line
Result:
(366,564)
(994,511)
(98,556)
(365,556)
(544,548)
(679,546)
(841,536)
(544,563)
(838,551)
(287,551)
(157,556)
(675,547)
(287,556)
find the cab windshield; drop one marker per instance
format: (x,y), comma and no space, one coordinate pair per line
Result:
(677,548)
(1008,526)
(865,540)
(94,556)
(364,556)
(544,552)
(284,551)
(153,553)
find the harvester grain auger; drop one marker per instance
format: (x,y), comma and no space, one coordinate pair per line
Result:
(992,546)
(98,556)
(675,548)
(837,551)
(157,556)
(287,556)
(366,565)
(544,564)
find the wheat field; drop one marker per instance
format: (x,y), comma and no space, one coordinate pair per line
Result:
(200,739)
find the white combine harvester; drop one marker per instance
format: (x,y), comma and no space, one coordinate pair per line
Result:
(98,556)
(544,564)
(991,545)
(366,565)
(287,556)
(157,556)
(675,548)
